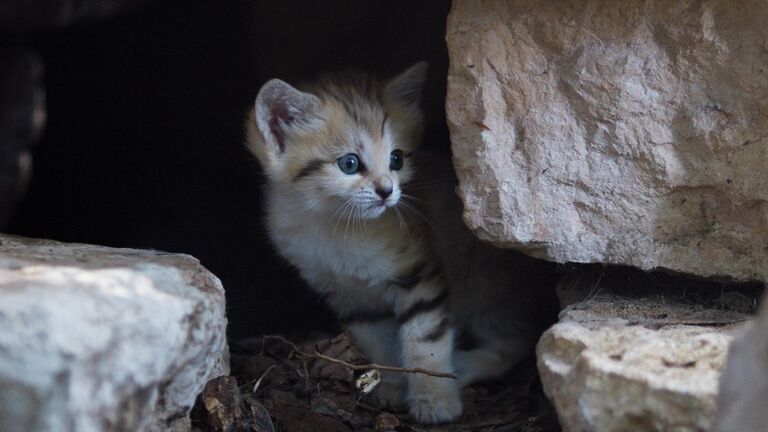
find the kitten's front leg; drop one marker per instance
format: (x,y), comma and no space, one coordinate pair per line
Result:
(377,338)
(426,337)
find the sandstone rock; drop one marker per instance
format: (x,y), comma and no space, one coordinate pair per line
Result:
(386,422)
(744,382)
(629,132)
(221,401)
(101,339)
(612,364)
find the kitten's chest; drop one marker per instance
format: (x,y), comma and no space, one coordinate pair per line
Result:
(361,258)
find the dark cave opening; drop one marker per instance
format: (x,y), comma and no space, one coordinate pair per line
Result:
(143,145)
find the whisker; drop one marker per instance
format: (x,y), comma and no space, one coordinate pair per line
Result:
(410,207)
(358,220)
(345,207)
(354,219)
(405,195)
(402,222)
(342,206)
(346,226)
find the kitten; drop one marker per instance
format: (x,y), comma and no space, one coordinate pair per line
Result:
(338,156)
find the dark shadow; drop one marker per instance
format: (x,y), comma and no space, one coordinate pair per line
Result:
(143,146)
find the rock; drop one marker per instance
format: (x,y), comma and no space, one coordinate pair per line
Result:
(300,419)
(221,399)
(221,407)
(101,339)
(334,403)
(386,422)
(614,364)
(260,421)
(341,347)
(630,133)
(744,381)
(293,415)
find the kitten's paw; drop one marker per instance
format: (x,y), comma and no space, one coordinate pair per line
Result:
(388,395)
(436,407)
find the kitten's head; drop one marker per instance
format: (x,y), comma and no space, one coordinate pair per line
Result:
(344,145)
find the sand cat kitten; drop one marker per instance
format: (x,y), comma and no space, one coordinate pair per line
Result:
(337,157)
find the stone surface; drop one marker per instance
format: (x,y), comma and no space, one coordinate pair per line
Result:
(101,339)
(221,401)
(614,364)
(744,382)
(629,132)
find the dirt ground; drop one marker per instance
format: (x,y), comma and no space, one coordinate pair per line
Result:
(277,385)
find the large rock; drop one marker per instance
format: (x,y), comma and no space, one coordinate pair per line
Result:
(615,132)
(101,339)
(744,382)
(613,364)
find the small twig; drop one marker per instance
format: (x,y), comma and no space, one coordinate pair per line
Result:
(258,382)
(283,340)
(362,367)
(370,366)
(307,384)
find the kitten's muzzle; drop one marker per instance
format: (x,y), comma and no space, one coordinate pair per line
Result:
(384,192)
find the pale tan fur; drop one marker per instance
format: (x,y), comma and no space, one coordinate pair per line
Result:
(369,254)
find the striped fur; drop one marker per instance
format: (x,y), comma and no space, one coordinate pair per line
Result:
(345,240)
(375,266)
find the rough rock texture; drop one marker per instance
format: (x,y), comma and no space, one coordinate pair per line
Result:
(635,365)
(102,339)
(744,382)
(616,132)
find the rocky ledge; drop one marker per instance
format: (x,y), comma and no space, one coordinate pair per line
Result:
(615,364)
(95,338)
(616,132)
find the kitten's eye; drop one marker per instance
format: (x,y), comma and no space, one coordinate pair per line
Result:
(396,160)
(349,163)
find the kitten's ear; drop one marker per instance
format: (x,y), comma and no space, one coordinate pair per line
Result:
(407,87)
(280,110)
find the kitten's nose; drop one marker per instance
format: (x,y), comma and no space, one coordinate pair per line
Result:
(384,191)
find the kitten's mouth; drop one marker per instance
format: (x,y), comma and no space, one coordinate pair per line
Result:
(381,204)
(376,208)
